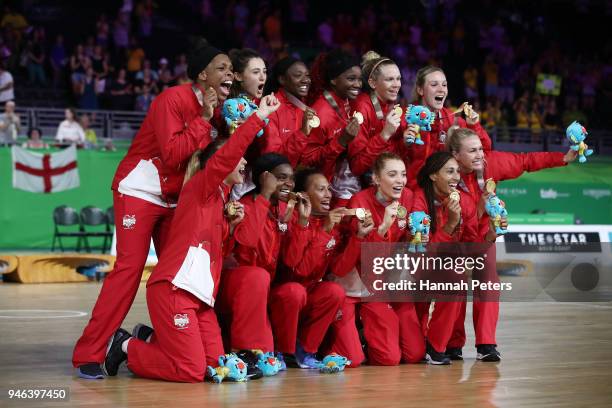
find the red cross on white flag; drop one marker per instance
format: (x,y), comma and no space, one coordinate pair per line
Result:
(45,173)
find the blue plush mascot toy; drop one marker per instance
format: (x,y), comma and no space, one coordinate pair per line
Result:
(419,224)
(333,363)
(421,117)
(237,110)
(576,134)
(231,368)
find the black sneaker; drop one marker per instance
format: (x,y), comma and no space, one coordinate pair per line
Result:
(250,359)
(290,360)
(142,331)
(114,355)
(90,371)
(435,358)
(487,352)
(455,354)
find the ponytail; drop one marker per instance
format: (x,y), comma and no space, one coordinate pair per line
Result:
(371,63)
(455,137)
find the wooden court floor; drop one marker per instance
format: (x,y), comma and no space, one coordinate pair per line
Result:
(554,355)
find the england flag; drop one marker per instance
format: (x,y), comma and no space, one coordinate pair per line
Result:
(45,173)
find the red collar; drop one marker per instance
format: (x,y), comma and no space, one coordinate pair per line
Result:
(317,220)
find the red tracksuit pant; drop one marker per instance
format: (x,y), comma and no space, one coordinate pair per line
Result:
(485,316)
(187,337)
(120,286)
(343,336)
(304,314)
(422,312)
(440,328)
(243,304)
(392,332)
(485,308)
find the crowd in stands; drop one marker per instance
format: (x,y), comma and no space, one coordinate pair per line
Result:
(74,129)
(492,52)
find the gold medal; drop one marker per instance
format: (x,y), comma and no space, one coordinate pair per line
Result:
(461,109)
(358,116)
(401,212)
(360,213)
(468,111)
(314,122)
(291,196)
(230,210)
(398,110)
(490,186)
(455,196)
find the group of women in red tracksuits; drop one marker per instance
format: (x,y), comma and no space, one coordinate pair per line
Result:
(259,239)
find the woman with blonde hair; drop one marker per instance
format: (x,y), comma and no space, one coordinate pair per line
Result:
(380,129)
(431,91)
(480,171)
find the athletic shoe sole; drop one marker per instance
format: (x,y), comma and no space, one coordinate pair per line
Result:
(436,362)
(88,376)
(256,375)
(455,354)
(490,358)
(110,344)
(306,366)
(301,364)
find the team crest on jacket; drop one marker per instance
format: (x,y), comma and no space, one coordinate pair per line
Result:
(181,321)
(442,137)
(282,227)
(129,221)
(331,243)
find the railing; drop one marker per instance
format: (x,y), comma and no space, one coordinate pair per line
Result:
(526,140)
(123,125)
(107,124)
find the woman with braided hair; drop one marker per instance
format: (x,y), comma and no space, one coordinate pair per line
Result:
(146,190)
(336,83)
(290,126)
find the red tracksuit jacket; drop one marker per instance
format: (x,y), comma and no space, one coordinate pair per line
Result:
(505,166)
(323,148)
(283,133)
(351,254)
(154,166)
(368,143)
(259,240)
(199,217)
(434,141)
(466,231)
(311,250)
